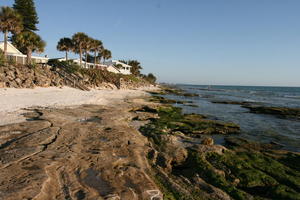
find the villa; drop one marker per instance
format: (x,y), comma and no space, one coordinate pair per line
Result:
(14,55)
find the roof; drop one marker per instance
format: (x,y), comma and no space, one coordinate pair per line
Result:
(10,48)
(123,64)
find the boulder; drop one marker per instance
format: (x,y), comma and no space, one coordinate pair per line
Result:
(207,141)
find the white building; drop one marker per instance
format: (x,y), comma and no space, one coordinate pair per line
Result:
(13,54)
(124,68)
(110,66)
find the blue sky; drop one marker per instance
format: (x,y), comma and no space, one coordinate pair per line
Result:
(230,42)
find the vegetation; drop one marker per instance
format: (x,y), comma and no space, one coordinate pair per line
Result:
(135,66)
(79,43)
(96,48)
(68,66)
(150,78)
(2,58)
(26,9)
(10,21)
(30,42)
(105,54)
(22,20)
(65,44)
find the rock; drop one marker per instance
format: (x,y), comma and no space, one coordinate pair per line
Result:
(164,161)
(209,148)
(179,156)
(18,81)
(283,112)
(207,141)
(2,85)
(215,193)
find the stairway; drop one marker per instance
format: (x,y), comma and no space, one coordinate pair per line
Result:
(71,79)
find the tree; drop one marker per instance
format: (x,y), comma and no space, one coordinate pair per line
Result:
(151,78)
(79,40)
(135,67)
(87,46)
(96,47)
(27,10)
(124,61)
(10,21)
(106,54)
(31,42)
(65,44)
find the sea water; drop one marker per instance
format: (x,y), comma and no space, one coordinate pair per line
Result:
(259,127)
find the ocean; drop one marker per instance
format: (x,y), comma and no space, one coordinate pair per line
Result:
(258,127)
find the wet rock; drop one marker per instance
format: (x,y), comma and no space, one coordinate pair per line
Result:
(207,141)
(214,192)
(219,149)
(282,112)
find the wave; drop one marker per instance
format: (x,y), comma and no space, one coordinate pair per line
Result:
(292,96)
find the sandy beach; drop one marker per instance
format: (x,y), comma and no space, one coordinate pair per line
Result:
(13,101)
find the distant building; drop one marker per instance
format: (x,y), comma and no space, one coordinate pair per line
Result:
(123,68)
(110,66)
(14,55)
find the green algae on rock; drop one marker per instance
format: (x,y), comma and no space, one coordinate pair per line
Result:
(242,169)
(283,112)
(171,120)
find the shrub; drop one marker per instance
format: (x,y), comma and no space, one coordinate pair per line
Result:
(2,58)
(150,78)
(69,66)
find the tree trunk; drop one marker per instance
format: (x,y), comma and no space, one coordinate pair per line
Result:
(80,56)
(66,55)
(29,53)
(5,42)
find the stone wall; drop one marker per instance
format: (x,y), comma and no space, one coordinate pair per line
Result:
(26,77)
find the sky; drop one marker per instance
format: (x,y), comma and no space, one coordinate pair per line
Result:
(210,42)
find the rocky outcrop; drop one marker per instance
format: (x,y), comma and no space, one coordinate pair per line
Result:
(188,169)
(46,76)
(25,77)
(282,112)
(67,154)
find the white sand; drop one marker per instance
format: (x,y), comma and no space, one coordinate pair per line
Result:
(12,100)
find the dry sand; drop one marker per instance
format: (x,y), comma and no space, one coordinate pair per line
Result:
(14,101)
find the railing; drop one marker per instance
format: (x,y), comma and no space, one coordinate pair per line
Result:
(72,78)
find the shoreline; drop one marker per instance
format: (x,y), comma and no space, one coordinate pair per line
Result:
(13,101)
(131,147)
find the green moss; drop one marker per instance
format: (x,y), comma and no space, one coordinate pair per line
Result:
(259,174)
(197,164)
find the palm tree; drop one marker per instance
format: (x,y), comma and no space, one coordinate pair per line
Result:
(10,21)
(87,46)
(135,66)
(31,42)
(65,44)
(106,54)
(97,47)
(78,41)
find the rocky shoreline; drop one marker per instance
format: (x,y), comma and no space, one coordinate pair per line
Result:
(254,107)
(138,148)
(240,169)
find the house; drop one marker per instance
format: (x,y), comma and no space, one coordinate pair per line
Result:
(14,55)
(123,68)
(110,66)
